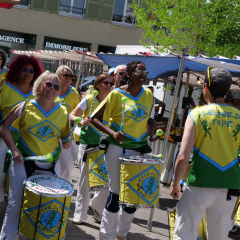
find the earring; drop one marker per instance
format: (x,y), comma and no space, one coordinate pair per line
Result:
(38,92)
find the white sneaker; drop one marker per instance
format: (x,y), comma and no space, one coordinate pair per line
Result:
(121,238)
(97,216)
(76,221)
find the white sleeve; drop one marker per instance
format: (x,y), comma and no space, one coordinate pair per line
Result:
(83,104)
(153,110)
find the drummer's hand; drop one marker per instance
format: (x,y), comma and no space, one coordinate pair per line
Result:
(152,139)
(67,145)
(17,156)
(175,191)
(86,121)
(119,136)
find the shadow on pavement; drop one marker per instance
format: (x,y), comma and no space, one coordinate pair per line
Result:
(166,203)
(139,236)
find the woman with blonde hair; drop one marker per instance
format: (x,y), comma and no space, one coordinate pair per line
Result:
(41,123)
(68,97)
(90,138)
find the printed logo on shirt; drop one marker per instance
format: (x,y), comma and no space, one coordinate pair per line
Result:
(44,130)
(137,112)
(146,184)
(65,105)
(99,169)
(51,219)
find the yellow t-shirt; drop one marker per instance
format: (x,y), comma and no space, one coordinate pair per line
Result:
(40,132)
(137,113)
(214,162)
(70,100)
(3,74)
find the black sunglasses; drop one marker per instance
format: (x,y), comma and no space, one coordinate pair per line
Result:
(106,83)
(31,71)
(120,73)
(68,76)
(55,86)
(74,80)
(229,100)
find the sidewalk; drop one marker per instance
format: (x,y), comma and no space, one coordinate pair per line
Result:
(89,229)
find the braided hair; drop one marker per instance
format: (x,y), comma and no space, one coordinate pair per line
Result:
(130,68)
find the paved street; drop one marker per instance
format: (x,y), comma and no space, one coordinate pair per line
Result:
(89,229)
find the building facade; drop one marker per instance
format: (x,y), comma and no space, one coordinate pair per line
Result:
(97,25)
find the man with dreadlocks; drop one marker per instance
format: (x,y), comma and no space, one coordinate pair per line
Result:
(139,113)
(214,179)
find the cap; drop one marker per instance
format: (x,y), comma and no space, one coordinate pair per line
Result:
(111,70)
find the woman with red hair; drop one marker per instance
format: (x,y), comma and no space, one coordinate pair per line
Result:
(23,71)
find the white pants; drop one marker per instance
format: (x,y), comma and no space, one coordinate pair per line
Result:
(83,193)
(194,204)
(75,151)
(115,223)
(3,150)
(66,163)
(17,175)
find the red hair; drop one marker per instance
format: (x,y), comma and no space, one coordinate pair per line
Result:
(18,62)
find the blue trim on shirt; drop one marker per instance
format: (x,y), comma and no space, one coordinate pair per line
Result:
(33,154)
(128,95)
(42,110)
(104,122)
(4,70)
(127,135)
(64,138)
(13,129)
(71,90)
(192,118)
(223,169)
(87,103)
(25,96)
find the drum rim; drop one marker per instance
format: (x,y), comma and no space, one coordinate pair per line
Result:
(138,205)
(142,159)
(98,187)
(68,194)
(93,150)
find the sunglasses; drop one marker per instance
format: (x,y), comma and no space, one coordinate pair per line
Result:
(120,73)
(55,86)
(229,100)
(208,74)
(106,83)
(68,76)
(140,72)
(31,71)
(74,80)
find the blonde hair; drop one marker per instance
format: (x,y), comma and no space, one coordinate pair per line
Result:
(61,68)
(43,77)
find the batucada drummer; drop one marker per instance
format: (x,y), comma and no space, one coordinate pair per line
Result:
(90,136)
(41,123)
(69,98)
(3,71)
(24,70)
(139,113)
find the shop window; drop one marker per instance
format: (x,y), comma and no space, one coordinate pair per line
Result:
(72,7)
(24,4)
(123,12)
(45,5)
(106,49)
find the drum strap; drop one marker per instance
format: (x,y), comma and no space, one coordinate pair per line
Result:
(31,167)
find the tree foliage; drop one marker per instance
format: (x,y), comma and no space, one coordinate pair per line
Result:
(204,26)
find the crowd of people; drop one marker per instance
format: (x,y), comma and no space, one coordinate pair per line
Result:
(37,110)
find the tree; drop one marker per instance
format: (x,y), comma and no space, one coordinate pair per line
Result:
(204,26)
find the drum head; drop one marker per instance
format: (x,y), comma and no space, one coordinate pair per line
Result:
(50,186)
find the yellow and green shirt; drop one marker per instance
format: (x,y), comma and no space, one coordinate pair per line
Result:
(214,162)
(91,135)
(40,131)
(70,100)
(137,112)
(3,74)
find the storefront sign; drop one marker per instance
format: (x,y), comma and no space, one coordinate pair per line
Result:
(65,45)
(11,39)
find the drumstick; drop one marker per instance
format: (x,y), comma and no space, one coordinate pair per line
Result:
(124,100)
(158,133)
(77,120)
(91,88)
(45,158)
(156,156)
(95,95)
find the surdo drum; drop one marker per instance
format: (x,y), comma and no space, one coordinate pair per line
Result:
(45,207)
(139,181)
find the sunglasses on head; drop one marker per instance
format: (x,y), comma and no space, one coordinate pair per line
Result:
(106,83)
(31,71)
(120,73)
(68,76)
(55,86)
(140,72)
(229,100)
(208,74)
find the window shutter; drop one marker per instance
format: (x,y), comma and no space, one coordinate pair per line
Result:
(52,6)
(106,13)
(38,4)
(93,9)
